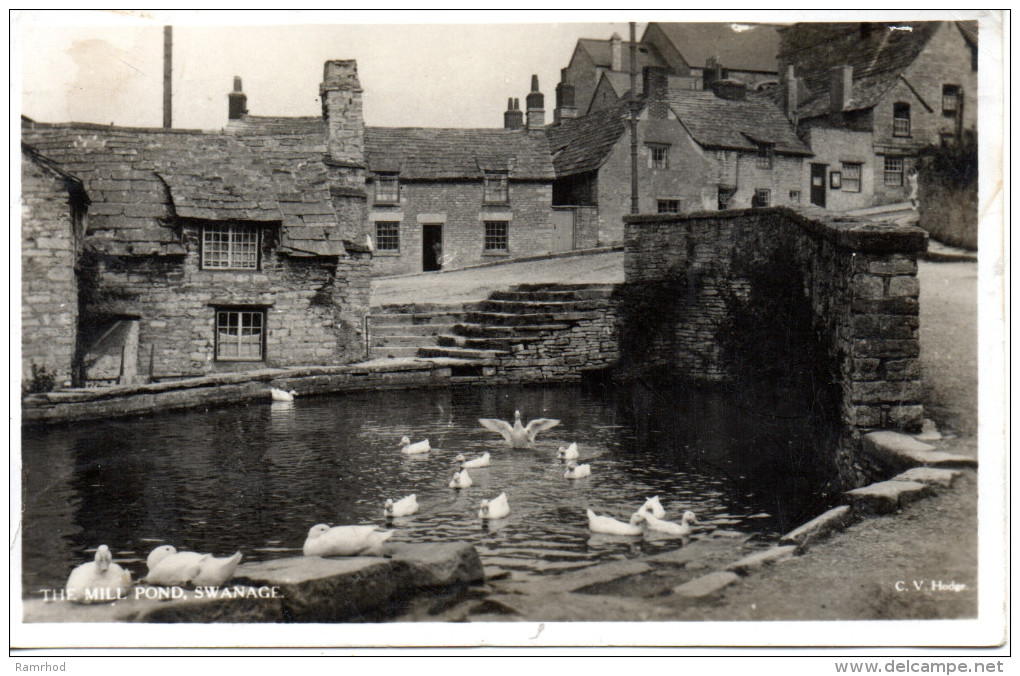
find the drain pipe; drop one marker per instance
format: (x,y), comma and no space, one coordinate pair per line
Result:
(633,122)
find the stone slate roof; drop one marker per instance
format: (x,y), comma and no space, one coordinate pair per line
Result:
(716,122)
(71,182)
(584,144)
(140,180)
(430,154)
(620,82)
(878,59)
(601,54)
(752,49)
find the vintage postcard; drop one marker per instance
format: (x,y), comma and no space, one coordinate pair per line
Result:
(539,329)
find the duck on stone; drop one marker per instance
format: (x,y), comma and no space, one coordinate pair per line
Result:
(483,460)
(282,395)
(518,435)
(418,448)
(171,568)
(575,471)
(682,529)
(403,507)
(98,581)
(568,453)
(344,540)
(610,526)
(497,508)
(461,480)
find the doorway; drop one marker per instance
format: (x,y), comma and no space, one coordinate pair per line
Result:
(431,247)
(818,184)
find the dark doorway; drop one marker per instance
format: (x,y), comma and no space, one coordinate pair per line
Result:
(818,184)
(431,247)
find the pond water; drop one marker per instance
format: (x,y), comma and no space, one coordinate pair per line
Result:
(255,478)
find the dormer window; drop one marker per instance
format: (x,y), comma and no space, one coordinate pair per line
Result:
(950,100)
(658,156)
(766,151)
(387,189)
(901,119)
(497,187)
(229,246)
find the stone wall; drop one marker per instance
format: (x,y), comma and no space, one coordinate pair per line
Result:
(706,294)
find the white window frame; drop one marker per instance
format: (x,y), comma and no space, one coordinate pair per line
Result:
(901,124)
(230,246)
(238,346)
(383,193)
(654,160)
(381,239)
(850,182)
(488,239)
(887,172)
(662,206)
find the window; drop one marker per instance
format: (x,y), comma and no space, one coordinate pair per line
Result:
(669,206)
(387,189)
(658,156)
(893,171)
(762,198)
(950,100)
(795,196)
(230,247)
(765,153)
(387,235)
(901,119)
(239,334)
(851,177)
(497,189)
(496,235)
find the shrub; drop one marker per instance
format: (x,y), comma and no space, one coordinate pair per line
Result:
(948,191)
(42,381)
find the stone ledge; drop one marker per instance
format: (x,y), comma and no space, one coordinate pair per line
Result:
(706,585)
(930,476)
(836,518)
(885,497)
(902,451)
(761,559)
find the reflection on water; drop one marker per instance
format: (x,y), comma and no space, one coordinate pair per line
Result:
(256,478)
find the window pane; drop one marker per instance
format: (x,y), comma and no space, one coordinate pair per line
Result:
(669,206)
(387,189)
(496,188)
(239,334)
(230,247)
(901,119)
(893,171)
(387,235)
(851,177)
(496,235)
(761,198)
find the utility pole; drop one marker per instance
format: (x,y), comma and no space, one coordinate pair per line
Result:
(168,50)
(634,104)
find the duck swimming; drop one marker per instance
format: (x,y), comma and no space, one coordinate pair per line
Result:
(497,508)
(282,395)
(98,581)
(343,540)
(461,480)
(654,507)
(518,435)
(483,460)
(682,529)
(407,448)
(170,568)
(611,526)
(403,507)
(575,471)
(568,453)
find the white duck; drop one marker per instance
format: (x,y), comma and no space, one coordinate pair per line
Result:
(653,507)
(343,540)
(568,453)
(518,435)
(497,508)
(575,471)
(98,581)
(461,480)
(403,507)
(282,395)
(169,567)
(682,529)
(407,448)
(483,460)
(611,526)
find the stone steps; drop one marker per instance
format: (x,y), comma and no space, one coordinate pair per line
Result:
(486,343)
(461,353)
(499,331)
(535,306)
(567,295)
(523,318)
(412,319)
(393,351)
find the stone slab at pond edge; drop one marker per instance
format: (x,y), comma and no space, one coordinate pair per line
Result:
(931,476)
(706,585)
(886,496)
(903,451)
(836,518)
(761,559)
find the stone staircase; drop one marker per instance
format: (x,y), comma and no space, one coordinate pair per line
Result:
(396,331)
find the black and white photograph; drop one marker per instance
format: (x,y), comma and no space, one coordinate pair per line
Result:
(572,329)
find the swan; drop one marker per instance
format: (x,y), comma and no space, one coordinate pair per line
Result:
(575,471)
(461,480)
(407,448)
(682,529)
(497,508)
(169,567)
(403,507)
(481,461)
(568,453)
(611,526)
(282,395)
(653,507)
(98,581)
(518,436)
(343,540)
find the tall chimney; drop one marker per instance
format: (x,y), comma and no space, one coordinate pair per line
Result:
(565,108)
(340,93)
(513,118)
(655,86)
(841,87)
(536,106)
(236,102)
(168,53)
(713,73)
(616,52)
(791,93)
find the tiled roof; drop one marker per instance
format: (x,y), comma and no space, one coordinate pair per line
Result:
(140,179)
(584,144)
(601,54)
(716,122)
(620,82)
(878,58)
(457,153)
(751,47)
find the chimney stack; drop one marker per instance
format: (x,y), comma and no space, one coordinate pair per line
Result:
(565,108)
(236,102)
(616,50)
(513,118)
(713,73)
(841,86)
(340,93)
(536,106)
(655,87)
(791,93)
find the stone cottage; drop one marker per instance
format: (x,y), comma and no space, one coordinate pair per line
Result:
(218,251)
(698,150)
(868,97)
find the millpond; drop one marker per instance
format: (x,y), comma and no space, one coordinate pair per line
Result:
(256,477)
